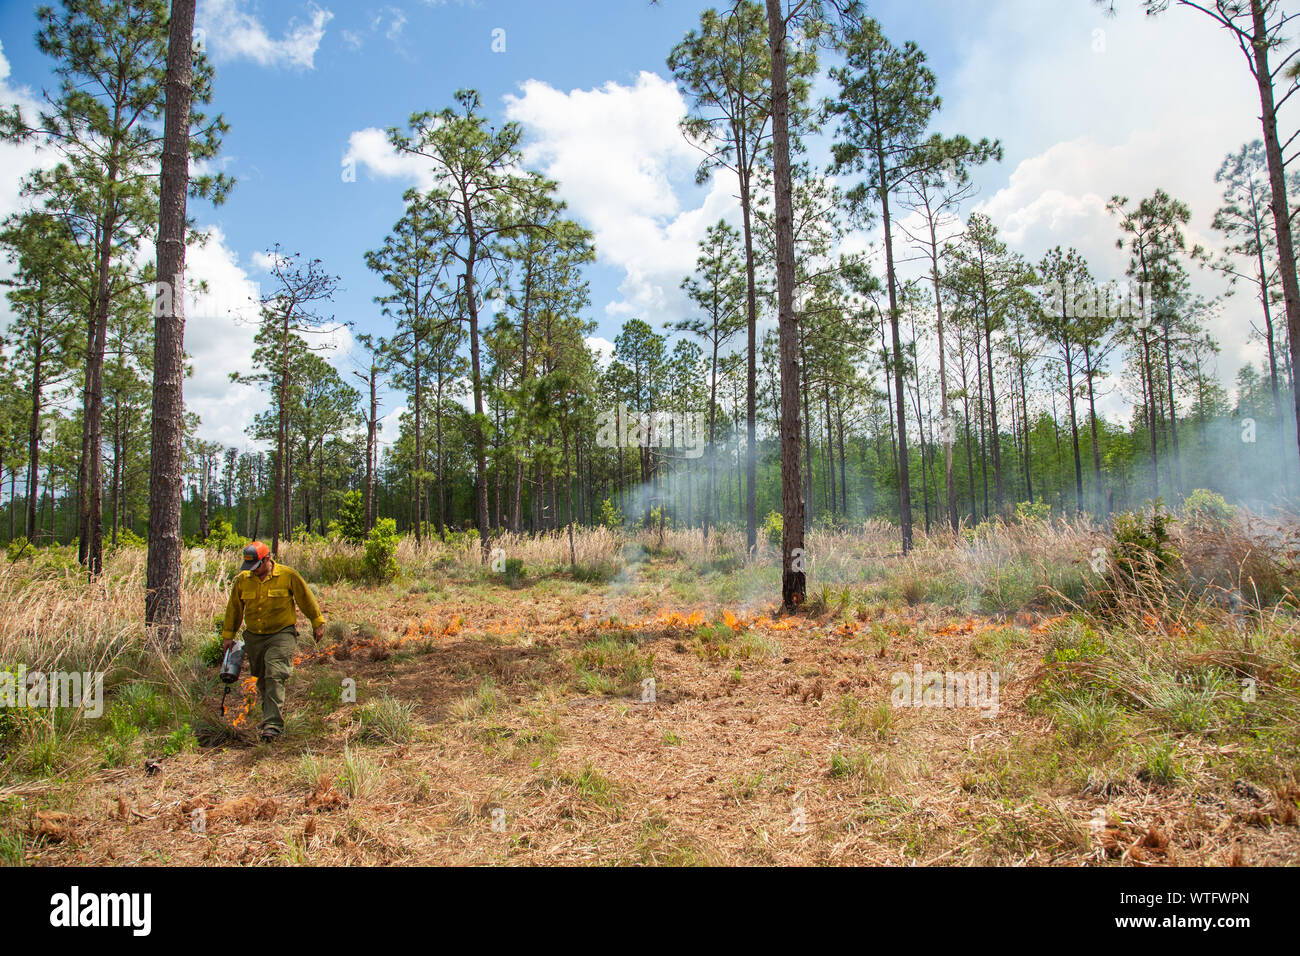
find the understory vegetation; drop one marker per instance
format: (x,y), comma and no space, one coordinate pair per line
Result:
(1154,662)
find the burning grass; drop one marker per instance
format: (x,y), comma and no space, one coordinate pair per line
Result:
(668,714)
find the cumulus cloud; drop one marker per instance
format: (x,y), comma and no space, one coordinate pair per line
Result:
(220,323)
(1090,107)
(18,159)
(603,348)
(622,165)
(369,148)
(390,427)
(231,32)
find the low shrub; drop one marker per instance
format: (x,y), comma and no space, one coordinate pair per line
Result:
(381,550)
(772,528)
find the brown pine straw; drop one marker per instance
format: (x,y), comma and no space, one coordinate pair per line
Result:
(714,770)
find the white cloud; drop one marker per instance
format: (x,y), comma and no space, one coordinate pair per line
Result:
(390,426)
(263,260)
(396,21)
(18,159)
(232,33)
(1146,103)
(370,148)
(220,324)
(622,163)
(391,20)
(603,348)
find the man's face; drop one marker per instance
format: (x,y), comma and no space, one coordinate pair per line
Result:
(263,569)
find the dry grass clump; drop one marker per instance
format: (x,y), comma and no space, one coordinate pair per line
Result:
(51,618)
(1162,730)
(462,552)
(324,561)
(1244,559)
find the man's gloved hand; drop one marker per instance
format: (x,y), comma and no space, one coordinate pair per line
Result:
(318,633)
(228,643)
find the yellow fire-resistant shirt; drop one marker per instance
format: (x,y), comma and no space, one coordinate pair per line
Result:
(267,606)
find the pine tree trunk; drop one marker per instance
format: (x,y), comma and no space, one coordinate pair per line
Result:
(904,481)
(480,440)
(751,376)
(1074,431)
(1277,184)
(793,574)
(34,444)
(370,452)
(946,433)
(163,574)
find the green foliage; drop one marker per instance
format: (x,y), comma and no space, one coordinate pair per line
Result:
(773,527)
(598,572)
(13,848)
(18,548)
(486,699)
(119,744)
(180,740)
(1008,587)
(1075,644)
(126,538)
(304,535)
(360,776)
(13,719)
(381,550)
(1089,721)
(1028,512)
(142,706)
(462,539)
(1159,763)
(858,719)
(350,523)
(613,664)
(44,752)
(331,564)
(610,516)
(222,536)
(514,572)
(387,720)
(981,531)
(327,690)
(1140,545)
(1208,510)
(211,652)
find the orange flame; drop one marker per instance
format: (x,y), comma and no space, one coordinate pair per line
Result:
(248,687)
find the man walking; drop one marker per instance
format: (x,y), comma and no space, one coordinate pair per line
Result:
(263,598)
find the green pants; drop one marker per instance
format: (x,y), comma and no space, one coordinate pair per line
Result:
(270,660)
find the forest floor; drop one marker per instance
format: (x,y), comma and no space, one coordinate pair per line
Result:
(542,719)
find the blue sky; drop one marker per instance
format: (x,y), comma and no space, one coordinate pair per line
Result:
(308,87)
